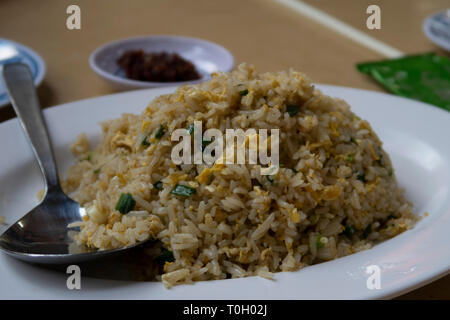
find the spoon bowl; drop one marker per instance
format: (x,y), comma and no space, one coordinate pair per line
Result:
(42,235)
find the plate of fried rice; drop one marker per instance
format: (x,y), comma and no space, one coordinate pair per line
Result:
(358,208)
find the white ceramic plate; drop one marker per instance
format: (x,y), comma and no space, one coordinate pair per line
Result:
(24,55)
(207,57)
(415,134)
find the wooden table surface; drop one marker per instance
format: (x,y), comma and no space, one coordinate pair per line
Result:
(262,32)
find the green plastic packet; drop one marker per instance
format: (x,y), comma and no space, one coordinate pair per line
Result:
(424,77)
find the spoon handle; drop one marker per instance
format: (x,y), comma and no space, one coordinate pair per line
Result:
(19,84)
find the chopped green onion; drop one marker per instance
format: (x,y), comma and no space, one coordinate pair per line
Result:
(361,177)
(160,132)
(367,231)
(165,256)
(352,140)
(184,191)
(272,170)
(349,231)
(390,172)
(158,185)
(145,142)
(270,178)
(97,171)
(256,181)
(88,157)
(243,92)
(319,243)
(190,129)
(292,109)
(205,143)
(126,203)
(294,170)
(350,158)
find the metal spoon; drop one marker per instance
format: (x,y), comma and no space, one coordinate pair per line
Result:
(41,236)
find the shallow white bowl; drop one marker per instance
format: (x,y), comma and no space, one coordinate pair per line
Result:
(437,28)
(207,57)
(27,56)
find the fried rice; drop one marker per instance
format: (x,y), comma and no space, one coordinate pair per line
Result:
(335,192)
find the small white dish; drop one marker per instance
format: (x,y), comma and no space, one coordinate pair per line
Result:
(206,56)
(24,55)
(437,28)
(415,134)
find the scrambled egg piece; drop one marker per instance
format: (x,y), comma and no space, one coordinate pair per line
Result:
(295,216)
(121,140)
(331,192)
(204,175)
